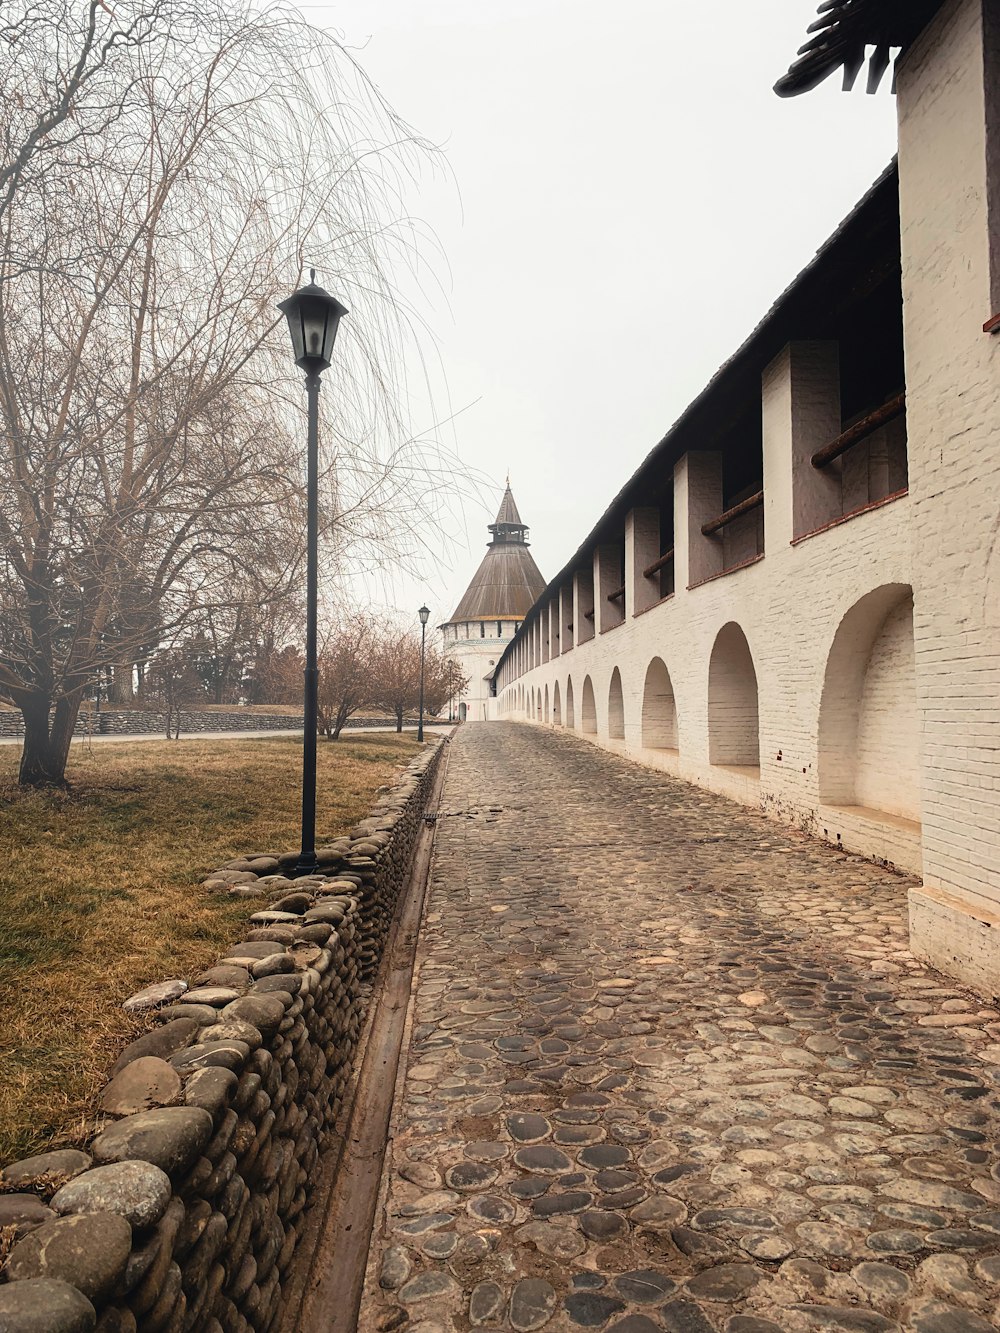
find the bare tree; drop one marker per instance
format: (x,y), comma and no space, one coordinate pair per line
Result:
(347,671)
(167,170)
(396,674)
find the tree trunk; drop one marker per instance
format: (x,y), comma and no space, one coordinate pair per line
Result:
(399,717)
(47,742)
(122,689)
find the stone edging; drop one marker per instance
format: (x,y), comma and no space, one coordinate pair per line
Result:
(186,1209)
(142,722)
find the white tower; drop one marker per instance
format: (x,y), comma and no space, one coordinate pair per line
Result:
(505,587)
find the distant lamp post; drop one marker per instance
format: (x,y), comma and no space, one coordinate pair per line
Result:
(424,614)
(313,317)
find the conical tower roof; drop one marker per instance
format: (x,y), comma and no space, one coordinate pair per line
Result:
(507,515)
(508,582)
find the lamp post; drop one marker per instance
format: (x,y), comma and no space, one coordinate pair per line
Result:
(424,614)
(313,316)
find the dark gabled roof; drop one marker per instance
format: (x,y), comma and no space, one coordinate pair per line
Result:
(841,33)
(861,253)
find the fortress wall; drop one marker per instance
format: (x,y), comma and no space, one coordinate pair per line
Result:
(788,607)
(949,156)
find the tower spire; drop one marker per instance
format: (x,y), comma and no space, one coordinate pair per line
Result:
(507,526)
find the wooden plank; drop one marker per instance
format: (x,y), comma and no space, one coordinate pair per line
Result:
(868,425)
(744,507)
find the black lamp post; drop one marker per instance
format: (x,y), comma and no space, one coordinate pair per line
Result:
(424,614)
(313,316)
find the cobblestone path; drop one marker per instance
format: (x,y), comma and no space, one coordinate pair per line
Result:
(672,1067)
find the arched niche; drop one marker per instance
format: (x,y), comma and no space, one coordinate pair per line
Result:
(588,709)
(616,707)
(869,731)
(659,709)
(733,716)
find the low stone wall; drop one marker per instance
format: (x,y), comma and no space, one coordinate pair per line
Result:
(185,1210)
(140,722)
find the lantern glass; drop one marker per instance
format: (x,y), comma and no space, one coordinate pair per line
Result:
(313,316)
(424,614)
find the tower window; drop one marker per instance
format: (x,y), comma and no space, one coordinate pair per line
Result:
(482,629)
(499,629)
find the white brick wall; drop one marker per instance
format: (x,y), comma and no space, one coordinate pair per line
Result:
(790,607)
(875,643)
(953,384)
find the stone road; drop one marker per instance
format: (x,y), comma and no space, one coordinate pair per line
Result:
(671,1067)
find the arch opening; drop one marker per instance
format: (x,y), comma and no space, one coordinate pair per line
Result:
(869,730)
(659,708)
(547,718)
(570,716)
(616,707)
(733,718)
(556,706)
(588,709)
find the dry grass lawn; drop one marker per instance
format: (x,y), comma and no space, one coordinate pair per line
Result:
(99,894)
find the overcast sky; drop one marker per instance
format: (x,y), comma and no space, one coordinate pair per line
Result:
(628,198)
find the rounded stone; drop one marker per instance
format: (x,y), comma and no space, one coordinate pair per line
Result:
(396,1268)
(428,1286)
(770,1246)
(681,1316)
(44,1305)
(604,1155)
(264,1012)
(170,1138)
(532,1303)
(485,1303)
(568,1201)
(725,1282)
(590,1309)
(602,1225)
(152,997)
(90,1253)
(137,1191)
(142,1085)
(200,1014)
(660,1210)
(527,1128)
(439,1244)
(940,1317)
(216,996)
(644,1286)
(44,1173)
(491,1208)
(543,1159)
(471,1176)
(881,1282)
(23,1212)
(895,1241)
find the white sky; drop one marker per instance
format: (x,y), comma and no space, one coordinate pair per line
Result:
(629,197)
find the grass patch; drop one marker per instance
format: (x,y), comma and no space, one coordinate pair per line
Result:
(99,896)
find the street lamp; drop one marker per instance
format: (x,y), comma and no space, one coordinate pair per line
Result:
(313,316)
(424,614)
